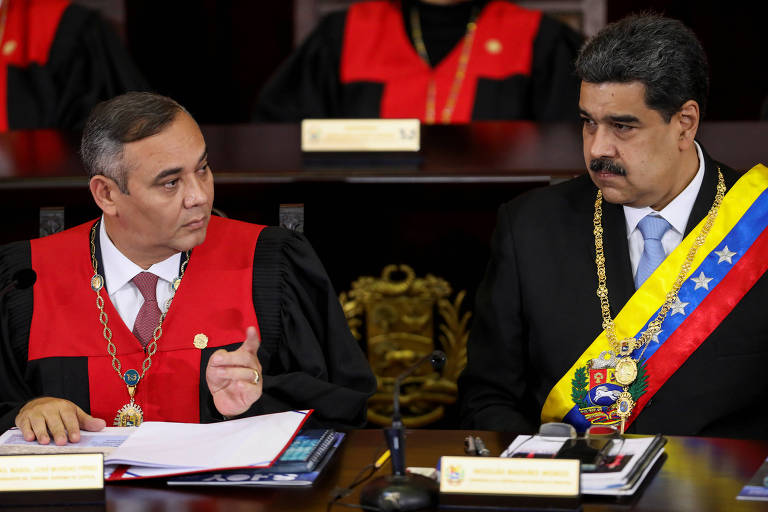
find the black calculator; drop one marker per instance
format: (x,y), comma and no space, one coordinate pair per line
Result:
(306,450)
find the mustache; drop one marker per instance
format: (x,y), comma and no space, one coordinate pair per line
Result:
(606,165)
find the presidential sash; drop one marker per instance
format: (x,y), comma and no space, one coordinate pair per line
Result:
(730,261)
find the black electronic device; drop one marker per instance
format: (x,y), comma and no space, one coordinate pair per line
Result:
(305,451)
(590,454)
(580,450)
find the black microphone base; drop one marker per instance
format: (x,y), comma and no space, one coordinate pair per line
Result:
(395,493)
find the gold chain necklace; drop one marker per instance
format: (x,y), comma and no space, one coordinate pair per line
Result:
(461,68)
(129,415)
(626,367)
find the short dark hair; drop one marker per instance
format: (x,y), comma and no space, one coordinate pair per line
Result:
(662,53)
(115,122)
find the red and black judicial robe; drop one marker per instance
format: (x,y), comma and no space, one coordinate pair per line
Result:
(57,60)
(243,274)
(361,63)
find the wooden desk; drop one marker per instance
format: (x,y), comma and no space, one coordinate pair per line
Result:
(699,474)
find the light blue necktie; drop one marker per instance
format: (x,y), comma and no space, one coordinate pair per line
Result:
(652,228)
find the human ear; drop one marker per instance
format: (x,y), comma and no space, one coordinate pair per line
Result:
(104,191)
(688,120)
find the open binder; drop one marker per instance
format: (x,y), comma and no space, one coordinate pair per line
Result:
(621,476)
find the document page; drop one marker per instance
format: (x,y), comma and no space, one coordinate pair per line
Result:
(165,448)
(105,441)
(255,441)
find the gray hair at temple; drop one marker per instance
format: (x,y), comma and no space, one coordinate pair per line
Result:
(662,53)
(118,121)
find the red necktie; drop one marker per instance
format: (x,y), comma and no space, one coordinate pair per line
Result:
(149,314)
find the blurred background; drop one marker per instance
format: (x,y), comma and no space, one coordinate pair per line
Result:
(214,56)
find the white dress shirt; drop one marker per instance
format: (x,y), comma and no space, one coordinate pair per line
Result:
(676,213)
(118,271)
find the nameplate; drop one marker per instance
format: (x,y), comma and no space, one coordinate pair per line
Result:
(360,135)
(51,472)
(509,476)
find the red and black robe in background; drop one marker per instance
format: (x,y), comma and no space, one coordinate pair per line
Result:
(57,60)
(362,63)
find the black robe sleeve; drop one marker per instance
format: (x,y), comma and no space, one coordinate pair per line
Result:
(15,321)
(492,388)
(87,64)
(307,85)
(309,357)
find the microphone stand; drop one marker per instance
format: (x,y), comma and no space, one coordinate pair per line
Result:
(400,491)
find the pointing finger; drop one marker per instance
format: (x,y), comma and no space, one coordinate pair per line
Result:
(252,340)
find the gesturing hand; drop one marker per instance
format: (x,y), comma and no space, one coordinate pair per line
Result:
(46,417)
(234,378)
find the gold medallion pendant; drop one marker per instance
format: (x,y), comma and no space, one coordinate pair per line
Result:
(626,371)
(97,282)
(624,406)
(129,415)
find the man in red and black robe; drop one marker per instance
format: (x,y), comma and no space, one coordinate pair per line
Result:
(364,62)
(57,60)
(70,343)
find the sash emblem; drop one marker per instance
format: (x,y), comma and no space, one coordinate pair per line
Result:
(594,389)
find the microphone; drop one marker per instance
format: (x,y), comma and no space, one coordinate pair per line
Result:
(20,280)
(399,491)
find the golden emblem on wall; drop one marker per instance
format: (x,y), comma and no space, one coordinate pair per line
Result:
(398,315)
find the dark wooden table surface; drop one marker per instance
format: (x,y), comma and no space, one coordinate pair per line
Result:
(699,474)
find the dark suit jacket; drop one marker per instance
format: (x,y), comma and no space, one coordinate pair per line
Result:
(536,312)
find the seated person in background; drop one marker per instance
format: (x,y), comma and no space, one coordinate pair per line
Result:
(59,59)
(442,61)
(142,313)
(572,323)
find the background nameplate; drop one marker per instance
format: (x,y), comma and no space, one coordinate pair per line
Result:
(355,135)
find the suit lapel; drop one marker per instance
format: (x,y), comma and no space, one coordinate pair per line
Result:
(706,195)
(618,267)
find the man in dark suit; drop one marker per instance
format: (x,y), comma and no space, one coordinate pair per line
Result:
(633,295)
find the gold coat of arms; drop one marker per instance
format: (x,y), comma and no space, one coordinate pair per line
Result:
(398,315)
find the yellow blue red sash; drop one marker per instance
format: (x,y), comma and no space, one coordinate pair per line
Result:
(732,258)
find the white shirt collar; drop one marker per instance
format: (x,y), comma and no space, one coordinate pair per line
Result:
(119,270)
(678,210)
